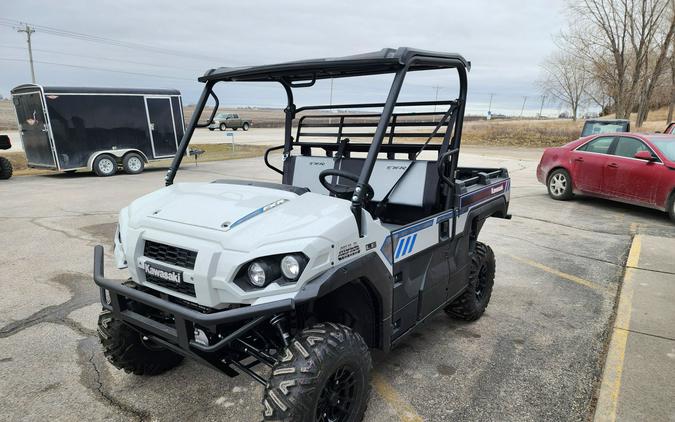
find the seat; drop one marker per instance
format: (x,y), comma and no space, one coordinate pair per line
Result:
(415,196)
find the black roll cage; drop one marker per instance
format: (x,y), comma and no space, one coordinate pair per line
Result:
(303,74)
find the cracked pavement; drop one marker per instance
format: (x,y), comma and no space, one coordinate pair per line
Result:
(536,355)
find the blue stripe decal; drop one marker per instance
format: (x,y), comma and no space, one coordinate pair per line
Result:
(412,243)
(399,247)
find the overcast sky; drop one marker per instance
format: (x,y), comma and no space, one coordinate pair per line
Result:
(504,40)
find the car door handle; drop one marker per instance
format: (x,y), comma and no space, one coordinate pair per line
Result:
(613,165)
(579,159)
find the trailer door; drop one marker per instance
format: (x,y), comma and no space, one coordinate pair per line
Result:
(34,129)
(162,126)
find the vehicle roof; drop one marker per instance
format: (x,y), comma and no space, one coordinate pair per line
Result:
(606,120)
(92,90)
(387,60)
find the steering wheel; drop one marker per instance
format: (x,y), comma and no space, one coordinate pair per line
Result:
(342,191)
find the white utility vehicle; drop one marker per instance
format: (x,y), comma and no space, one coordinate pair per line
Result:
(358,245)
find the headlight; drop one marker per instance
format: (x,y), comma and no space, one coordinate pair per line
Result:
(260,272)
(290,267)
(257,274)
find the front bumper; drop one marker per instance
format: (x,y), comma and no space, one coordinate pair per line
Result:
(179,336)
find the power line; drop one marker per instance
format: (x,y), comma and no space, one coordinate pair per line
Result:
(104,40)
(103,69)
(63,53)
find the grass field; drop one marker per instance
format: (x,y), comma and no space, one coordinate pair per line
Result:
(515,132)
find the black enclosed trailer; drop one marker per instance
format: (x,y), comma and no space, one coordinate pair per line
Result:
(100,129)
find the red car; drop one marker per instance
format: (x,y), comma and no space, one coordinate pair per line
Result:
(671,128)
(627,167)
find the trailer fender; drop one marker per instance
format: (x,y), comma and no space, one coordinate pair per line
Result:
(118,153)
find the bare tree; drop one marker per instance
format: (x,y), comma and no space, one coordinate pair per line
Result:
(565,78)
(672,86)
(659,40)
(624,43)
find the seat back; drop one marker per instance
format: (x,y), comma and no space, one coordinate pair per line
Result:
(415,195)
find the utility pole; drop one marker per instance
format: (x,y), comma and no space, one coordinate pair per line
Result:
(541,108)
(28,30)
(489,116)
(438,88)
(523,108)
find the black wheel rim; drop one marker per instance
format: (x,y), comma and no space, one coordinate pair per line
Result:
(338,396)
(481,283)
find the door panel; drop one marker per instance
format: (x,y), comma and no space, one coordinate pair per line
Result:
(628,178)
(34,129)
(588,164)
(587,170)
(161,126)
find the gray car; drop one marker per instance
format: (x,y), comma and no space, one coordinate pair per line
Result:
(224,121)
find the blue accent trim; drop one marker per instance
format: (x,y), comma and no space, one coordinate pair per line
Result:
(410,230)
(445,216)
(248,217)
(399,247)
(412,243)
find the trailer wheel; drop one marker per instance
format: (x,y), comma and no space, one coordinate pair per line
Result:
(245,127)
(473,302)
(105,165)
(323,375)
(6,169)
(133,163)
(126,348)
(222,127)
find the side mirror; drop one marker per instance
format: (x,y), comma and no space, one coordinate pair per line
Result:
(644,155)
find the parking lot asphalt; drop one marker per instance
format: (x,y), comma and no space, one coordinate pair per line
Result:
(537,354)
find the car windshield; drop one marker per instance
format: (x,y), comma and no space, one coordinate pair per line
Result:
(666,146)
(593,128)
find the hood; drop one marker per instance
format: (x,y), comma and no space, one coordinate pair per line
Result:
(240,217)
(216,206)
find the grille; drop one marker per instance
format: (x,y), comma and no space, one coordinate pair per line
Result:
(170,254)
(184,288)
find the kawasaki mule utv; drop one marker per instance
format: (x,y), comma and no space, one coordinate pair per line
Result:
(359,244)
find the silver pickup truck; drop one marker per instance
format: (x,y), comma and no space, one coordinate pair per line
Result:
(224,121)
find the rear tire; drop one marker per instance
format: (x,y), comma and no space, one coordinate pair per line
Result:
(671,207)
(559,185)
(245,127)
(323,375)
(133,163)
(6,169)
(472,303)
(105,165)
(125,349)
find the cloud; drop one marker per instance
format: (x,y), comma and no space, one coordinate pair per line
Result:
(504,40)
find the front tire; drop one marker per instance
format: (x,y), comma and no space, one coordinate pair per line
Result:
(105,165)
(671,207)
(126,349)
(6,169)
(559,185)
(133,163)
(472,303)
(323,375)
(222,127)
